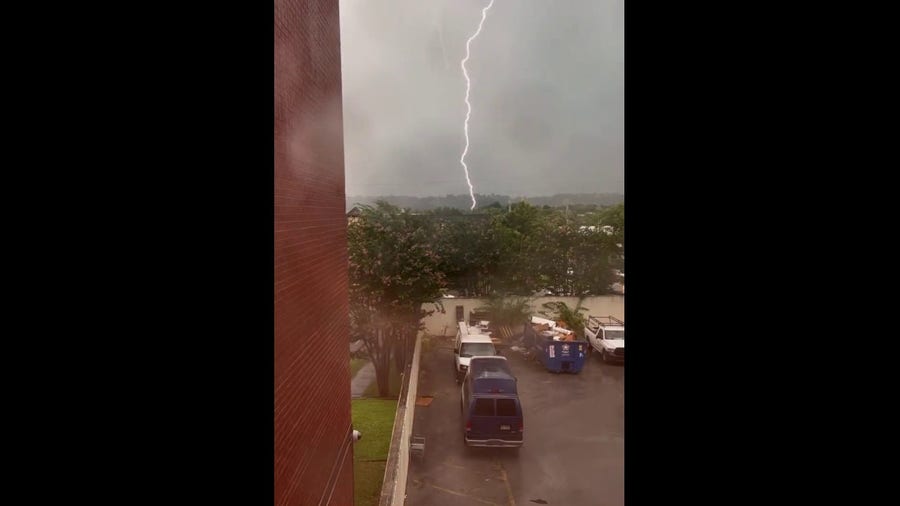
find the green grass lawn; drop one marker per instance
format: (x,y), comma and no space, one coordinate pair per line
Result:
(355,365)
(393,382)
(374,418)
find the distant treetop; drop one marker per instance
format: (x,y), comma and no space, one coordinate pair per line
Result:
(462,202)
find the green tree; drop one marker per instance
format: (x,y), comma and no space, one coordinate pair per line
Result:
(445,211)
(549,249)
(592,258)
(509,311)
(615,217)
(572,317)
(393,271)
(520,235)
(469,254)
(522,218)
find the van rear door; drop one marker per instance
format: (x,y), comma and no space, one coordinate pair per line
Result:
(496,418)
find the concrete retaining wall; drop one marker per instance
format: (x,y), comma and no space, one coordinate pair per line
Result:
(393,488)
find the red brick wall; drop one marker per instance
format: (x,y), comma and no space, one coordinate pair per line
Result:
(313,453)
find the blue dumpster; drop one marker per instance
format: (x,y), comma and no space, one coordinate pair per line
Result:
(555,355)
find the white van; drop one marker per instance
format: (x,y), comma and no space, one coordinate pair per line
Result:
(470,342)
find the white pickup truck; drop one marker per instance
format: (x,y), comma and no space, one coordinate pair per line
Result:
(607,336)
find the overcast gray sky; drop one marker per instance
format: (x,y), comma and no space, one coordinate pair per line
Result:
(547,96)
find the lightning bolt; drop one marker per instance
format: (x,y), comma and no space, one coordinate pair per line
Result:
(462,64)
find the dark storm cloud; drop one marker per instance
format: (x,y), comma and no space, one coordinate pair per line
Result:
(547,96)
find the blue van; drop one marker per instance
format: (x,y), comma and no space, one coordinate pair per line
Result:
(492,413)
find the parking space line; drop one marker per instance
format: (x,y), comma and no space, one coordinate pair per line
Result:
(442,489)
(499,466)
(512,502)
(457,466)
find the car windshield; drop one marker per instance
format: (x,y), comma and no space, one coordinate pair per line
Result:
(477,350)
(615,334)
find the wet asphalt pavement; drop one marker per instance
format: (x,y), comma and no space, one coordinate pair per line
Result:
(574,439)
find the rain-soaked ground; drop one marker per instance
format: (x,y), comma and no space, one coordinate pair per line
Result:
(574,439)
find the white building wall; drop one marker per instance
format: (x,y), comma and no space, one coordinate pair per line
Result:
(444,324)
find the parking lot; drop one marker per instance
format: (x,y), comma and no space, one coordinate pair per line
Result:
(574,439)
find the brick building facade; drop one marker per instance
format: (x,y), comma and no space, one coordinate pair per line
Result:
(313,448)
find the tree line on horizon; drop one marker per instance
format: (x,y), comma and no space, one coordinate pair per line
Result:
(464,201)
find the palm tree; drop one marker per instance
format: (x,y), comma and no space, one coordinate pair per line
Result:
(508,313)
(560,311)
